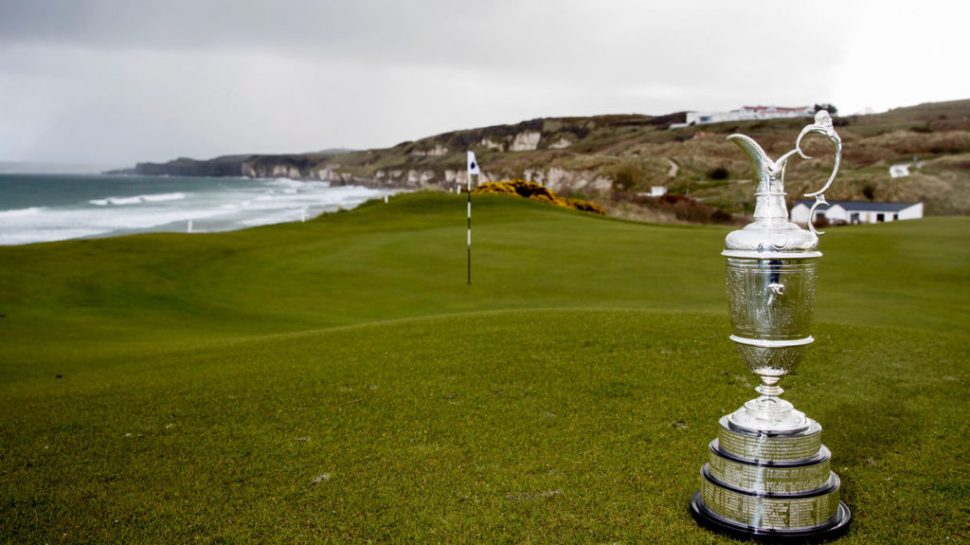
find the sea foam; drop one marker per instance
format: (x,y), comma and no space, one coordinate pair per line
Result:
(162,197)
(21,212)
(138,199)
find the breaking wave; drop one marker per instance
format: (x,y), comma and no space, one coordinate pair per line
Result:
(138,199)
(21,212)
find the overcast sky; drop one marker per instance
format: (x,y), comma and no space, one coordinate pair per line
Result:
(119,81)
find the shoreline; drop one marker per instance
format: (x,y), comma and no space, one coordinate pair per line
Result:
(109,205)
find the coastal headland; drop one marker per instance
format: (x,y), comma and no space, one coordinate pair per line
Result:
(614,158)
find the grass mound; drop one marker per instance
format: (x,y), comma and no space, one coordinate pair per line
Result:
(335,381)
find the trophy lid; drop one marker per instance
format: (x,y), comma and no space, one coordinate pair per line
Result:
(772,235)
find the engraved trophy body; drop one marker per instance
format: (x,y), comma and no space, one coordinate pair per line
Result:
(768,473)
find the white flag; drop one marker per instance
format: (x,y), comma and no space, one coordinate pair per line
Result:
(473,164)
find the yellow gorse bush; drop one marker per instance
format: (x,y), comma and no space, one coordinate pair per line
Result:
(536,192)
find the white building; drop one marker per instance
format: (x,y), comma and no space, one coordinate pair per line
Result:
(745,113)
(899,171)
(858,211)
(902,170)
(655,191)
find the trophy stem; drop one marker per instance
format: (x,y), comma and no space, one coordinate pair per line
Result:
(769,386)
(768,413)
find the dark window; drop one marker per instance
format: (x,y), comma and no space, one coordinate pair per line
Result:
(895,217)
(880,218)
(854,218)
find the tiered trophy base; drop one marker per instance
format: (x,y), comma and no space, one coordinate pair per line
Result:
(714,522)
(773,487)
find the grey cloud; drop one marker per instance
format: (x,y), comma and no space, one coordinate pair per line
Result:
(595,37)
(109,80)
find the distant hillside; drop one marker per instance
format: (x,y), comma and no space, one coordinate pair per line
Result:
(613,157)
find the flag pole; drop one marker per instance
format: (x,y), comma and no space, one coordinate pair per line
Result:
(474,169)
(469,193)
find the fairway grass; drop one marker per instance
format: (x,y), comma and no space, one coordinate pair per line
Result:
(336,382)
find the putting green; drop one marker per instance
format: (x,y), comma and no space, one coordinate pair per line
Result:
(336,381)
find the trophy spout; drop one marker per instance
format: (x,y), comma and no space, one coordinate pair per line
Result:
(761,164)
(770,192)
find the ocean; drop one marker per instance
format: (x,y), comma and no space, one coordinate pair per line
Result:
(48,207)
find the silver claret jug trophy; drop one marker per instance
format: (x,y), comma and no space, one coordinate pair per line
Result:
(768,472)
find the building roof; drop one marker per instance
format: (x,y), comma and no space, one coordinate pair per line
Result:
(865,206)
(760,108)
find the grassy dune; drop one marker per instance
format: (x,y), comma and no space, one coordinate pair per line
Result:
(336,381)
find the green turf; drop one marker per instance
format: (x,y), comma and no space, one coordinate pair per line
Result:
(336,381)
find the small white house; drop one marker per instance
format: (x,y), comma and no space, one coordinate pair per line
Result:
(858,211)
(902,170)
(655,191)
(899,171)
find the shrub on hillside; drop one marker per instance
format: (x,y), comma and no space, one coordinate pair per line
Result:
(685,208)
(830,108)
(536,192)
(820,221)
(721,216)
(586,206)
(627,176)
(719,173)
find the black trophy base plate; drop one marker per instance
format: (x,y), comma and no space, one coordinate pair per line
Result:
(834,528)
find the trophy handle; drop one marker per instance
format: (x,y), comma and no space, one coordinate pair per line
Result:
(823,126)
(819,201)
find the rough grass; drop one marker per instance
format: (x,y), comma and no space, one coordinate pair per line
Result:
(336,381)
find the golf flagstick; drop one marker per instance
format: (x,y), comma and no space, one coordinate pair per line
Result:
(472,169)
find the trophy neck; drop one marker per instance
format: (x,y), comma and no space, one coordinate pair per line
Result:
(770,195)
(770,201)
